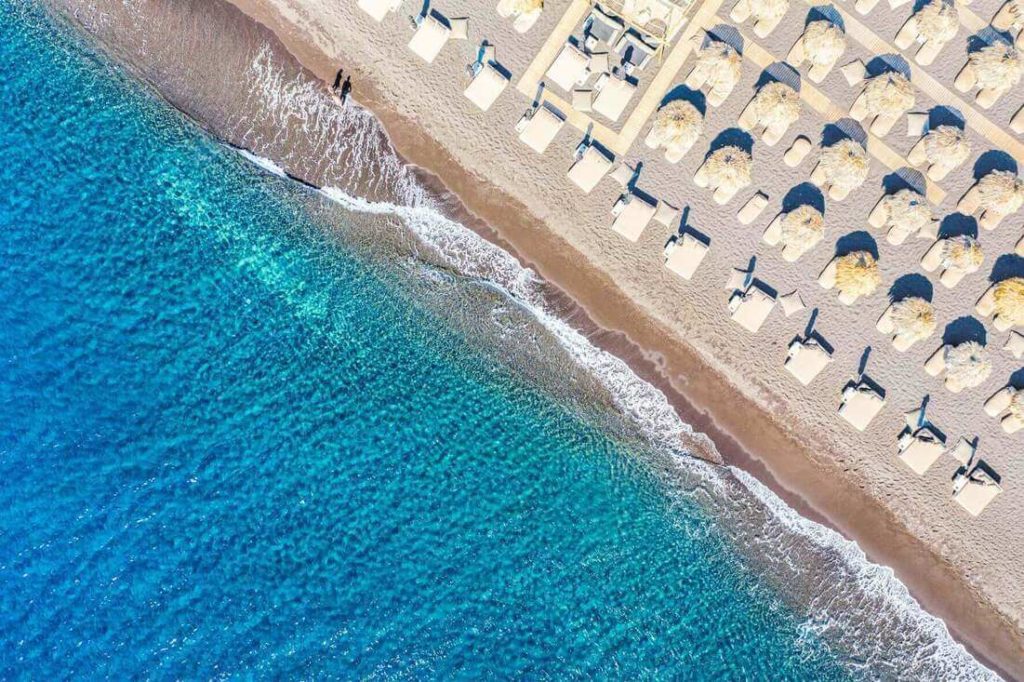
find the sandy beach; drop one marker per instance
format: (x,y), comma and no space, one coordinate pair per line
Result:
(727,383)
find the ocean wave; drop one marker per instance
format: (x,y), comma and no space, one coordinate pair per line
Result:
(844,575)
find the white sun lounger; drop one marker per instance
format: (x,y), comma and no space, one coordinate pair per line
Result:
(632,214)
(921,449)
(684,255)
(430,38)
(378,9)
(570,67)
(975,490)
(806,360)
(613,97)
(486,86)
(751,308)
(861,403)
(539,127)
(591,165)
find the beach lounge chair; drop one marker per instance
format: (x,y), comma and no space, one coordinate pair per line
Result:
(986,306)
(885,324)
(636,54)
(861,403)
(797,152)
(971,204)
(522,21)
(751,308)
(791,303)
(806,359)
(570,68)
(538,127)
(743,10)
(951,276)
(999,405)
(486,86)
(632,214)
(591,165)
(1017,122)
(753,208)
(613,96)
(378,9)
(1015,344)
(921,448)
(431,36)
(684,254)
(797,55)
(976,489)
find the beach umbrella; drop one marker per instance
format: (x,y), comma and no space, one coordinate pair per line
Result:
(938,20)
(844,164)
(907,212)
(722,63)
(913,319)
(997,66)
(1001,192)
(824,42)
(803,227)
(768,11)
(678,124)
(527,6)
(776,105)
(857,274)
(1009,300)
(729,167)
(967,365)
(947,146)
(962,252)
(1016,407)
(888,94)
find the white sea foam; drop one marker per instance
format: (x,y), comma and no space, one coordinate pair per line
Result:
(927,652)
(263,162)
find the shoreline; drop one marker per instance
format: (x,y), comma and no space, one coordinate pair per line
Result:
(746,436)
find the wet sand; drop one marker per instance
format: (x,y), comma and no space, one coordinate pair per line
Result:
(792,464)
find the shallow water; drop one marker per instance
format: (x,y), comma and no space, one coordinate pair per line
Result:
(253,430)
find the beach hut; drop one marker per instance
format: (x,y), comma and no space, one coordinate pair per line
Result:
(933,25)
(766,14)
(861,404)
(854,275)
(966,365)
(907,321)
(806,359)
(1004,300)
(943,149)
(976,489)
(994,69)
(798,231)
(822,44)
(684,254)
(726,170)
(997,194)
(590,166)
(430,37)
(955,256)
(920,448)
(523,12)
(378,9)
(842,168)
(752,307)
(1007,403)
(677,126)
(884,99)
(902,214)
(486,86)
(718,69)
(539,126)
(774,107)
(613,96)
(632,215)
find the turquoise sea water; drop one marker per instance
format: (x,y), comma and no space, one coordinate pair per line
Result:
(232,444)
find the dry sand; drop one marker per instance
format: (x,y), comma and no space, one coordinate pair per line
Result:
(968,571)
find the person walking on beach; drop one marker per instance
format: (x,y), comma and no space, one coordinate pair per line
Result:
(342,89)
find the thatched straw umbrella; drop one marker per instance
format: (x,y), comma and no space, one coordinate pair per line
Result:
(962,253)
(527,6)
(997,66)
(728,169)
(943,148)
(938,20)
(824,43)
(1016,406)
(1009,300)
(719,67)
(913,319)
(766,14)
(843,167)
(801,229)
(677,126)
(967,365)
(775,106)
(904,213)
(1001,192)
(884,99)
(857,274)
